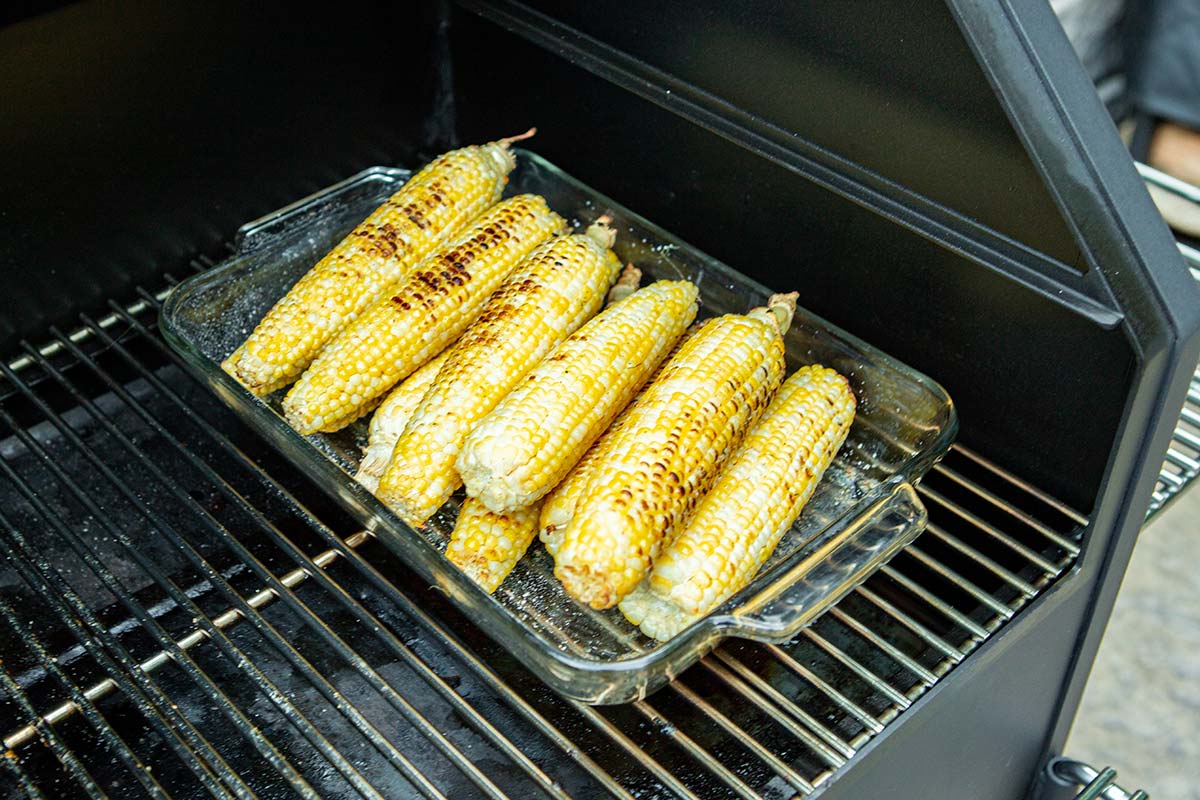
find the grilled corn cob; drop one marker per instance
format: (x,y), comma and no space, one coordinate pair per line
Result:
(431,207)
(390,418)
(528,443)
(652,472)
(487,546)
(754,501)
(419,317)
(559,506)
(547,298)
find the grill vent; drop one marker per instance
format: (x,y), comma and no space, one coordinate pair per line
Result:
(183,615)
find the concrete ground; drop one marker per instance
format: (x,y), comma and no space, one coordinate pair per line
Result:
(1141,708)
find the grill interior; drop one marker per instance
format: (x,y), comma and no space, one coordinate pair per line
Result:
(184,614)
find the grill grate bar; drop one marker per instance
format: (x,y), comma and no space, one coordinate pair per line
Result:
(749,742)
(785,658)
(381,743)
(991,530)
(87,553)
(1011,578)
(64,754)
(954,577)
(80,701)
(848,661)
(982,493)
(226,619)
(151,701)
(832,750)
(697,753)
(930,638)
(885,646)
(1026,486)
(936,602)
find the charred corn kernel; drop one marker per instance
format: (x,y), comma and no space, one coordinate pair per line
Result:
(753,503)
(528,443)
(419,317)
(547,298)
(558,507)
(389,420)
(650,474)
(486,546)
(432,206)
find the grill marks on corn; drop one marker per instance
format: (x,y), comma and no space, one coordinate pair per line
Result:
(421,316)
(431,207)
(529,442)
(551,294)
(649,473)
(759,494)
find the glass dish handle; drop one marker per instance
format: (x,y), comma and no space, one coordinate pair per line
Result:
(847,557)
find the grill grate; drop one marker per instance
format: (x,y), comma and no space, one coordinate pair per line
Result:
(1182,463)
(176,622)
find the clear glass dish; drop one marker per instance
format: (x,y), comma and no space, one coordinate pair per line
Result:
(863,512)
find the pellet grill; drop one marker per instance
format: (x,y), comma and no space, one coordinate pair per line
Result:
(183,613)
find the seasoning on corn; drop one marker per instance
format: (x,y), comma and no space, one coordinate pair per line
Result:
(418,317)
(528,443)
(558,288)
(432,206)
(390,418)
(753,503)
(651,473)
(486,546)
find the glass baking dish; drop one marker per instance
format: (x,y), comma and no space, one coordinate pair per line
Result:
(863,512)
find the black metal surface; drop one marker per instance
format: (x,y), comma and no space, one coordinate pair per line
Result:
(138,511)
(140,133)
(1004,352)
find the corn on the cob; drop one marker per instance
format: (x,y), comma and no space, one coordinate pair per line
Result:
(651,472)
(388,421)
(547,298)
(418,317)
(432,206)
(528,443)
(754,501)
(558,507)
(487,546)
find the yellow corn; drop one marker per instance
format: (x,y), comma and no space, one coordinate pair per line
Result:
(528,443)
(753,503)
(558,507)
(651,473)
(547,298)
(431,207)
(419,317)
(390,418)
(486,546)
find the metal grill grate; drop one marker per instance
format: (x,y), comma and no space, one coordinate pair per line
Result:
(1182,464)
(177,621)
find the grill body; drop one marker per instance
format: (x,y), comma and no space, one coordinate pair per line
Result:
(940,182)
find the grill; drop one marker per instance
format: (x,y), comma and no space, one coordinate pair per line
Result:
(208,630)
(183,613)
